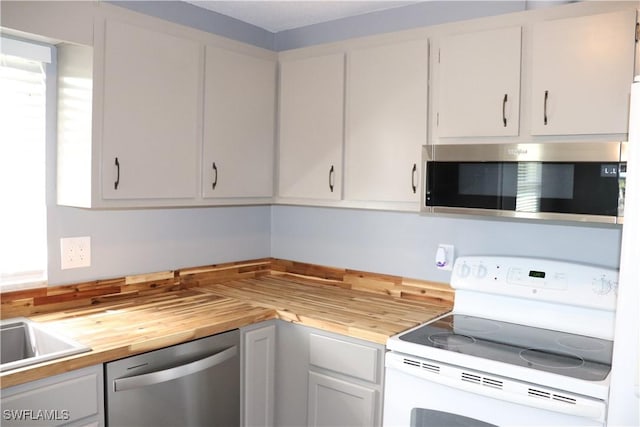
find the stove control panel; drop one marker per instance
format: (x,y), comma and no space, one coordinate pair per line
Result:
(540,279)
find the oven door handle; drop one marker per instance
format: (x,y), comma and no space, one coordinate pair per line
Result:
(452,376)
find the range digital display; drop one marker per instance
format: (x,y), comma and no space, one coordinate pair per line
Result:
(537,274)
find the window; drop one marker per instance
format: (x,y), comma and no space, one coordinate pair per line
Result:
(23,233)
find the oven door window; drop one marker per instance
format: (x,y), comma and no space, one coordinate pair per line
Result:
(579,188)
(428,418)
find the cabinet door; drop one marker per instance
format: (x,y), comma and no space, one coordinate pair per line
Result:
(259,373)
(582,72)
(386,121)
(479,84)
(150,129)
(311,127)
(334,402)
(71,398)
(239,120)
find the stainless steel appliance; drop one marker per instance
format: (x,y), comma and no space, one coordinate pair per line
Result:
(529,343)
(191,384)
(561,181)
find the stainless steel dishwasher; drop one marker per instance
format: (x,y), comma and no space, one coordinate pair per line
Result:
(192,384)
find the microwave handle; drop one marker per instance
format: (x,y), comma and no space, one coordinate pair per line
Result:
(427,183)
(427,158)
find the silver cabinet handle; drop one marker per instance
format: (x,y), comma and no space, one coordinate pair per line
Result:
(151,378)
(504,105)
(414,187)
(331,173)
(215,176)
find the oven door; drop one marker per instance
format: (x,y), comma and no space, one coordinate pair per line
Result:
(420,393)
(576,181)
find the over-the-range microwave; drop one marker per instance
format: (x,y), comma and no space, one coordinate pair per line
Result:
(553,181)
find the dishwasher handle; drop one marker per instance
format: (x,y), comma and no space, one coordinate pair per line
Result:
(151,378)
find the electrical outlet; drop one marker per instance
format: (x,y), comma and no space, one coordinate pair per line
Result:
(445,256)
(75,252)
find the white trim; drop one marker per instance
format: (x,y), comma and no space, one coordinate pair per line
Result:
(25,49)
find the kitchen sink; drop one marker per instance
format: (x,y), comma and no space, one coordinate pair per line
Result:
(24,342)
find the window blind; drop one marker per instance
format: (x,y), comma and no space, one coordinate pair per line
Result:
(23,242)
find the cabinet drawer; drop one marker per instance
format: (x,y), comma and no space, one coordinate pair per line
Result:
(344,357)
(51,403)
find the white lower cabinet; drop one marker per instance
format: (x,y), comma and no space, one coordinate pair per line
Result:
(335,402)
(344,379)
(326,379)
(258,375)
(74,398)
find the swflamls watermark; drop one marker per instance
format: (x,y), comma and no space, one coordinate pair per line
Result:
(36,415)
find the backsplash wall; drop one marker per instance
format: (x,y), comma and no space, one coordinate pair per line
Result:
(139,241)
(404,244)
(126,242)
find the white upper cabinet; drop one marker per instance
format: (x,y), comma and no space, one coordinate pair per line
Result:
(145,113)
(311,127)
(150,128)
(386,121)
(478,83)
(239,121)
(582,69)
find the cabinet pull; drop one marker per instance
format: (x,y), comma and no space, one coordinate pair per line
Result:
(546,99)
(504,107)
(157,377)
(331,173)
(117,181)
(413,178)
(215,176)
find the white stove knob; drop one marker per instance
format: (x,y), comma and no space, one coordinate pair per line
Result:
(464,270)
(601,285)
(481,271)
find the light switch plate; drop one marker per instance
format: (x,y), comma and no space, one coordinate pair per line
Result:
(75,252)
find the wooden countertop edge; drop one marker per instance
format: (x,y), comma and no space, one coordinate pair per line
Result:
(260,312)
(103,355)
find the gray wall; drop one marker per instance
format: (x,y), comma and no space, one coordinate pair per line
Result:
(401,18)
(140,241)
(125,242)
(202,19)
(405,244)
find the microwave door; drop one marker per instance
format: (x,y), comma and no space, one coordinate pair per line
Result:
(583,190)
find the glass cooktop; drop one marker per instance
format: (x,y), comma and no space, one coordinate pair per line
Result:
(561,353)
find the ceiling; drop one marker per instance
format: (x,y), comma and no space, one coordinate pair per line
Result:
(276,16)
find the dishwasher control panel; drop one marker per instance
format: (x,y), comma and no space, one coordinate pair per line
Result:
(540,279)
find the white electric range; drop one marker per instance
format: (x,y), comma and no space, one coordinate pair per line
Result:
(529,342)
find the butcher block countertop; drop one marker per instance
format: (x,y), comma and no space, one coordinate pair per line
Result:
(133,325)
